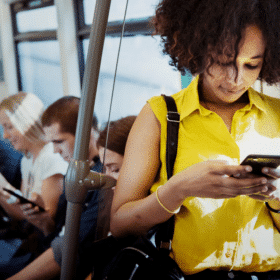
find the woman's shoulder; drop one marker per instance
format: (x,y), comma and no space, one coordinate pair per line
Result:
(268,102)
(158,104)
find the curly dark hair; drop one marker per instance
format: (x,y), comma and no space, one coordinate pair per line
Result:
(196,32)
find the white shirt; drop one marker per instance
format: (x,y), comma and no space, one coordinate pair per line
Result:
(45,165)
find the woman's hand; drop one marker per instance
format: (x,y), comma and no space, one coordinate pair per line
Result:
(12,208)
(39,219)
(135,210)
(217,179)
(274,198)
(3,182)
(272,181)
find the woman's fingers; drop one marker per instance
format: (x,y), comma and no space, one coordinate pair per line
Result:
(215,179)
(25,206)
(237,190)
(36,198)
(257,188)
(261,197)
(274,173)
(231,170)
(29,210)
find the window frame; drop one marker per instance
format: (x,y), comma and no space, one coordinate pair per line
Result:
(133,27)
(17,6)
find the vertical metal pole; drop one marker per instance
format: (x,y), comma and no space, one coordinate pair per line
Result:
(78,168)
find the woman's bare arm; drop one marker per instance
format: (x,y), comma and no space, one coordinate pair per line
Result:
(134,211)
(51,190)
(131,203)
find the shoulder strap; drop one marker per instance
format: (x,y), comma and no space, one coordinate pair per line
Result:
(165,233)
(173,121)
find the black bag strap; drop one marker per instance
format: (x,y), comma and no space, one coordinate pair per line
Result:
(173,121)
(165,232)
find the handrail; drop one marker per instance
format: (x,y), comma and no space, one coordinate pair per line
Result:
(79,167)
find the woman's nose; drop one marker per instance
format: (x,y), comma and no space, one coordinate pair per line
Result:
(235,76)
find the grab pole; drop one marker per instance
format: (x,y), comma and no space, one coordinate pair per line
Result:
(79,167)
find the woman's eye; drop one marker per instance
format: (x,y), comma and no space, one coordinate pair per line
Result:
(249,66)
(115,170)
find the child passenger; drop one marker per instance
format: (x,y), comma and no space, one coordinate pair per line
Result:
(228,220)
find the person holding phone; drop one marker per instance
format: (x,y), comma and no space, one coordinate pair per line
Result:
(111,152)
(59,122)
(10,160)
(42,170)
(223,227)
(42,173)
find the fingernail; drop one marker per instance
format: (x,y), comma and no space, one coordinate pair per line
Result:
(265,189)
(237,175)
(248,168)
(265,170)
(264,181)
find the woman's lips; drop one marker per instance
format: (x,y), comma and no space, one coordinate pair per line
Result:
(231,91)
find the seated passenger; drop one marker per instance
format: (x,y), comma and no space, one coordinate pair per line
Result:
(9,171)
(10,164)
(42,174)
(48,265)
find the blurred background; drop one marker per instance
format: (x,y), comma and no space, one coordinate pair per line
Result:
(44,45)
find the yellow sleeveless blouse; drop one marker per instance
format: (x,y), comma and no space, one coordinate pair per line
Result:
(222,234)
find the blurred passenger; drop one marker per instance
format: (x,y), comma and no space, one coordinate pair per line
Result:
(42,170)
(10,171)
(59,122)
(48,265)
(10,164)
(42,176)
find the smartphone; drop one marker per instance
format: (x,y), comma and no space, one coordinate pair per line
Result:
(23,199)
(259,161)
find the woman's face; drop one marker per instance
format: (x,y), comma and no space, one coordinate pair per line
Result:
(226,84)
(19,141)
(113,162)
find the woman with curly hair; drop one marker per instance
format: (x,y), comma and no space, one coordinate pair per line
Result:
(227,220)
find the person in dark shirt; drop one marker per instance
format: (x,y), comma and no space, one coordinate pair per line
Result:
(10,163)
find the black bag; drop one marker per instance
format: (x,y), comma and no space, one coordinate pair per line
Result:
(145,258)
